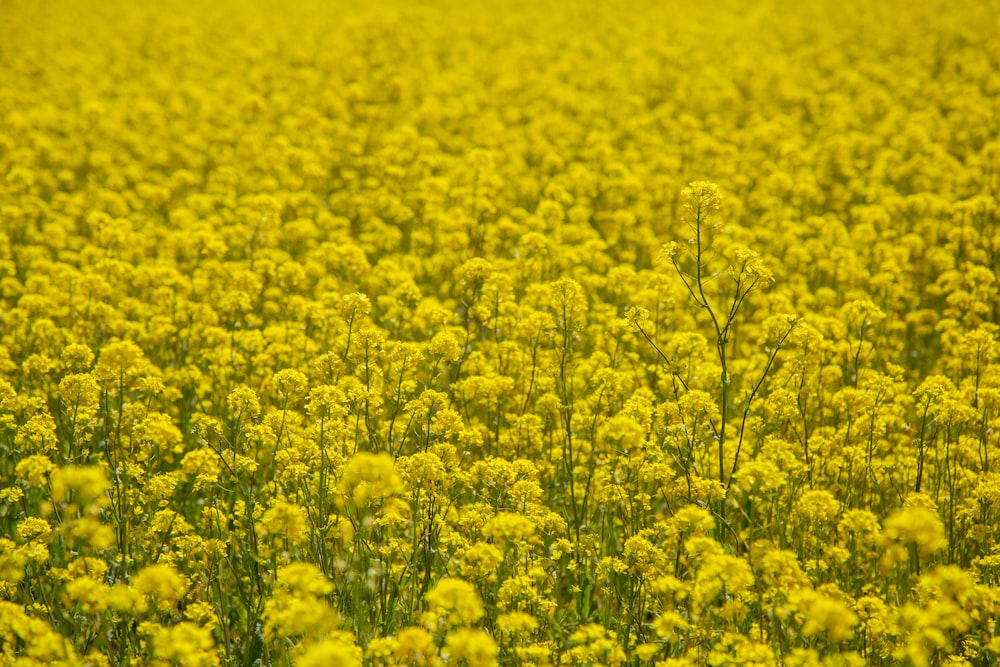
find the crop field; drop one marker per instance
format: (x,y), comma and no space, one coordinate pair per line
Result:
(461,334)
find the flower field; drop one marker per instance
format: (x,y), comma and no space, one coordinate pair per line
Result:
(508,333)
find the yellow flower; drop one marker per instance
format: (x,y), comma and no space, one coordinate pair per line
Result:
(243,402)
(816,506)
(480,561)
(473,646)
(184,643)
(204,465)
(298,606)
(38,433)
(701,198)
(291,384)
(509,527)
(77,357)
(31,639)
(325,306)
(824,614)
(337,649)
(370,476)
(694,518)
(160,584)
(646,652)
(33,528)
(516,622)
(861,525)
(718,572)
(120,363)
(202,613)
(445,346)
(918,525)
(304,579)
(286,521)
(92,596)
(411,646)
(81,394)
(34,469)
(12,562)
(452,602)
(87,484)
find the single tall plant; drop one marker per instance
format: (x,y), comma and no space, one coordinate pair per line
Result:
(690,260)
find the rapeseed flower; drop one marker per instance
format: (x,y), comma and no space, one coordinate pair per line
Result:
(918,525)
(474,647)
(452,602)
(499,334)
(184,643)
(338,649)
(161,586)
(297,608)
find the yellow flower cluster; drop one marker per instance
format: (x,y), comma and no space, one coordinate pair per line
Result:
(472,334)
